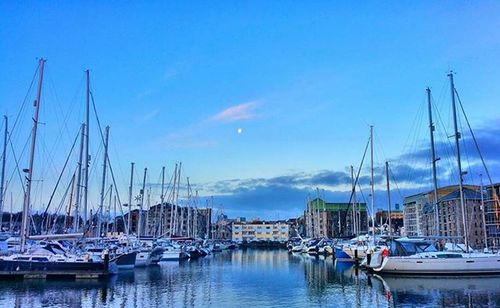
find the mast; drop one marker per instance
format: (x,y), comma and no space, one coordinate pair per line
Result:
(483,210)
(67,223)
(114,215)
(139,230)
(108,211)
(188,208)
(87,157)
(162,201)
(129,222)
(76,226)
(177,197)
(29,172)
(372,183)
(2,178)
(354,205)
(148,207)
(434,160)
(172,216)
(317,228)
(388,195)
(103,182)
(459,162)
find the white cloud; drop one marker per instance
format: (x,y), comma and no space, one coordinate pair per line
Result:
(243,111)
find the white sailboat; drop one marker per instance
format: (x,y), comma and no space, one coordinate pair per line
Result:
(420,257)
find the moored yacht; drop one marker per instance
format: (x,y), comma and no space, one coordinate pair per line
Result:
(420,257)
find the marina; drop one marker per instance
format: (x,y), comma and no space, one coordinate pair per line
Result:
(267,154)
(258,276)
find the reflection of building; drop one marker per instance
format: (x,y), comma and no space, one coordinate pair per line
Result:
(420,218)
(334,219)
(273,231)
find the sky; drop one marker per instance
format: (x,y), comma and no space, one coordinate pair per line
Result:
(261,101)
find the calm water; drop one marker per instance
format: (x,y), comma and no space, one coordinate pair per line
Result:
(257,278)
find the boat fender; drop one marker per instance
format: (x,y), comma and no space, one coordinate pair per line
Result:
(385,252)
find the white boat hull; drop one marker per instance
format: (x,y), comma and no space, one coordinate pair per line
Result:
(421,265)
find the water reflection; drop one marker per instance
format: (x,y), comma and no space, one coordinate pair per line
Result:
(253,277)
(442,291)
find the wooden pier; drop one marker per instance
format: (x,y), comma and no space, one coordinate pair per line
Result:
(70,275)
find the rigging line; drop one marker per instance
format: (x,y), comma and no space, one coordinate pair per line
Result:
(474,138)
(61,203)
(358,173)
(393,177)
(107,157)
(62,172)
(447,150)
(466,153)
(17,166)
(23,104)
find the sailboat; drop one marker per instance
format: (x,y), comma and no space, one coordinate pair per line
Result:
(359,247)
(45,261)
(420,256)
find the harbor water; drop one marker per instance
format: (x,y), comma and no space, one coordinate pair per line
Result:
(254,277)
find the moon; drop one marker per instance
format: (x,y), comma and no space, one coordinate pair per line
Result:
(239,130)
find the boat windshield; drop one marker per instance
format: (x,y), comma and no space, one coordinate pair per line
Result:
(408,248)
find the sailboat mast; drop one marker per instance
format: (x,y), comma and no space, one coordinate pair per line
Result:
(388,195)
(434,160)
(483,210)
(139,230)
(103,181)
(188,209)
(459,162)
(172,207)
(162,201)
(372,183)
(2,178)
(354,205)
(27,194)
(76,226)
(108,211)
(129,222)
(177,197)
(87,158)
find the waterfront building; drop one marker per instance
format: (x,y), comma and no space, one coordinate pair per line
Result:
(334,219)
(418,222)
(188,221)
(420,219)
(271,231)
(492,215)
(396,216)
(222,229)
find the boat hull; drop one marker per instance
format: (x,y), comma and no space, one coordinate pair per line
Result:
(466,265)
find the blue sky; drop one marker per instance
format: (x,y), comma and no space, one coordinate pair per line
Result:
(302,80)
